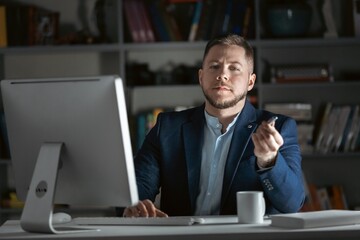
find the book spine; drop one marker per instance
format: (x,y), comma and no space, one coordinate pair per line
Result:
(205,20)
(149,32)
(3,28)
(137,16)
(195,21)
(322,126)
(130,19)
(355,124)
(247,20)
(227,17)
(158,22)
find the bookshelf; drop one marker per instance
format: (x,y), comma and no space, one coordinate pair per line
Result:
(113,57)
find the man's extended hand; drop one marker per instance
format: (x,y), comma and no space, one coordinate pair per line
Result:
(145,208)
(267,141)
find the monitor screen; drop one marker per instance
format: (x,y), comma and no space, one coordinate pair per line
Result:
(69,139)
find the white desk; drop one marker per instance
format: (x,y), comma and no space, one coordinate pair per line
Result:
(12,230)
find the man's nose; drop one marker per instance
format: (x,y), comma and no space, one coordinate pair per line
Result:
(222,76)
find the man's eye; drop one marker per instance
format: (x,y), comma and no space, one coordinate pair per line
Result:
(233,68)
(214,67)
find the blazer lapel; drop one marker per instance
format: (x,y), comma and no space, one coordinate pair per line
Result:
(245,126)
(193,141)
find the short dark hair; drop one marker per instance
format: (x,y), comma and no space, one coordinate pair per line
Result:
(232,39)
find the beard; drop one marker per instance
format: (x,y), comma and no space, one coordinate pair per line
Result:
(224,104)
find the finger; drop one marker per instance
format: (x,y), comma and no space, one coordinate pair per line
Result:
(142,209)
(264,137)
(160,213)
(265,143)
(270,134)
(131,212)
(268,127)
(150,208)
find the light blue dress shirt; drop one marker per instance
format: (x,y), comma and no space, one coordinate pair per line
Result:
(214,155)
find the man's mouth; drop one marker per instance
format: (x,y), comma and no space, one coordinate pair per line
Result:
(222,88)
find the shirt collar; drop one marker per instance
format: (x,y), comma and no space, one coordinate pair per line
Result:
(214,123)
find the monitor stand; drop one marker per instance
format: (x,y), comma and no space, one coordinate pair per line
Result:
(38,210)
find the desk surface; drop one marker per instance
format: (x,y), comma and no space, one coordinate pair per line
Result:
(12,230)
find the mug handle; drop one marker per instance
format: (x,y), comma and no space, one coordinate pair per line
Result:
(263,206)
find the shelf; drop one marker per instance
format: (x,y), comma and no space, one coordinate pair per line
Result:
(297,86)
(146,97)
(61,48)
(285,43)
(307,42)
(164,46)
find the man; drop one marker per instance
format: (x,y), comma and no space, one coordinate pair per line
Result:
(202,156)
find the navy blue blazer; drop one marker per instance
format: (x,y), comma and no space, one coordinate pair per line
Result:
(170,159)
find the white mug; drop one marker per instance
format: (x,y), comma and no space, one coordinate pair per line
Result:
(250,206)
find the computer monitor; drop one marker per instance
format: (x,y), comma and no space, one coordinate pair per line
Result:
(69,143)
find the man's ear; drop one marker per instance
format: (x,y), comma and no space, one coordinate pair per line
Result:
(252,80)
(200,73)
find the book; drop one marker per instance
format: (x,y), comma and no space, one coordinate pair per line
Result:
(248,21)
(337,197)
(324,198)
(145,21)
(312,202)
(226,20)
(183,13)
(145,121)
(349,128)
(132,23)
(355,142)
(218,18)
(299,111)
(237,16)
(353,128)
(329,134)
(195,21)
(137,17)
(329,20)
(205,24)
(337,128)
(45,26)
(316,219)
(328,197)
(3,29)
(161,33)
(29,25)
(301,73)
(16,21)
(339,131)
(305,137)
(170,22)
(356,9)
(322,126)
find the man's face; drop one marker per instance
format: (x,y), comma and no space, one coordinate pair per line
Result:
(225,77)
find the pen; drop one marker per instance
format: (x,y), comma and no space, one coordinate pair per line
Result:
(272,119)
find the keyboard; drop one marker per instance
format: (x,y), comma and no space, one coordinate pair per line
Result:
(118,221)
(154,221)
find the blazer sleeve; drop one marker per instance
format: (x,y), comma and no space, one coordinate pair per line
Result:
(147,168)
(283,184)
